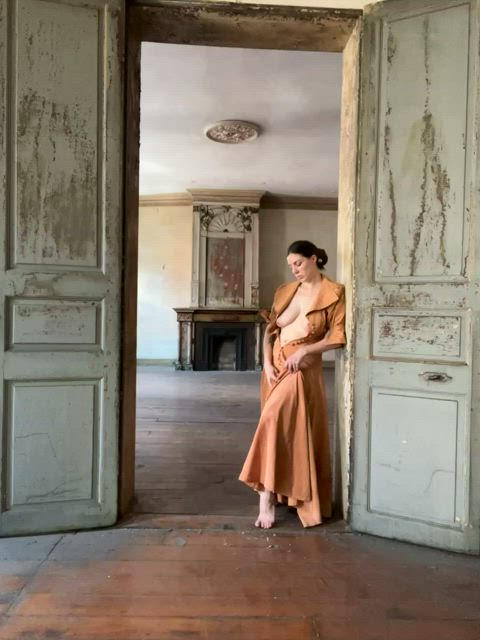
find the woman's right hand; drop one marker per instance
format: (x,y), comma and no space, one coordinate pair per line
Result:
(271,373)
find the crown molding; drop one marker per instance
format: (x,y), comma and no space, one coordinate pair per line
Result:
(166,200)
(285,201)
(238,196)
(226,196)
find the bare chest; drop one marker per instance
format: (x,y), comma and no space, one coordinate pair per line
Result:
(297,308)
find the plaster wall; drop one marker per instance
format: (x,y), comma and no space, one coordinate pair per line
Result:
(278,229)
(165,262)
(164,277)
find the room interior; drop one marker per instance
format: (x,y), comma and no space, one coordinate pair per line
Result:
(198,345)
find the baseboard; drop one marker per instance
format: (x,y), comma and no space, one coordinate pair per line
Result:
(168,361)
(155,361)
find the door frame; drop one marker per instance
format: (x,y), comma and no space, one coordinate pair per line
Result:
(246,26)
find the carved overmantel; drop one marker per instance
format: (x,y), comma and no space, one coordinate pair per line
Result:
(225,248)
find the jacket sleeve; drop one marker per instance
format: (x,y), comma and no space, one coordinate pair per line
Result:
(336,321)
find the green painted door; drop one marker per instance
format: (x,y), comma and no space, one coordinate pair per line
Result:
(416,394)
(61,152)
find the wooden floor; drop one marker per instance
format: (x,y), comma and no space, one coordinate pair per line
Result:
(193,432)
(193,429)
(216,577)
(195,579)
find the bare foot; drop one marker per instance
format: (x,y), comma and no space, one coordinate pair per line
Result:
(266,515)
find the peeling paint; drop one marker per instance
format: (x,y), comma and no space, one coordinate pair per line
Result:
(62,282)
(432,168)
(317,29)
(391,51)
(406,333)
(56,145)
(391,47)
(391,195)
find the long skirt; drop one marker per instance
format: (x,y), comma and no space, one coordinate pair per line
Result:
(289,455)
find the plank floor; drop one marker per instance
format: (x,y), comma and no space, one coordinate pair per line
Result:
(234,583)
(193,432)
(161,576)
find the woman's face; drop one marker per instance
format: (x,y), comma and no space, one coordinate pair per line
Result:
(303,268)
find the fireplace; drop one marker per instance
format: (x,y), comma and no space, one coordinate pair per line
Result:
(219,339)
(222,329)
(224,346)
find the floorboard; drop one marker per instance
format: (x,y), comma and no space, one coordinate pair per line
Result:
(194,429)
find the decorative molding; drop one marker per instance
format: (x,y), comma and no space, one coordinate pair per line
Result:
(223,196)
(232,215)
(206,214)
(285,201)
(232,131)
(254,295)
(214,196)
(225,218)
(166,200)
(185,316)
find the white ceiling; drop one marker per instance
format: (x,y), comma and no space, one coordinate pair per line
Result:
(293,96)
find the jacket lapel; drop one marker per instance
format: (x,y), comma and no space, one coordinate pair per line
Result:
(285,297)
(327,295)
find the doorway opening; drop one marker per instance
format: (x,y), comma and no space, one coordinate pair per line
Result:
(194,426)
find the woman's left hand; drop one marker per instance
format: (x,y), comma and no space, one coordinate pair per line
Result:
(293,362)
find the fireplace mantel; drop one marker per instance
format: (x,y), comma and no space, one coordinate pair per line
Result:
(191,319)
(225,295)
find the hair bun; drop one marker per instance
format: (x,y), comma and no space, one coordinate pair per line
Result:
(322,257)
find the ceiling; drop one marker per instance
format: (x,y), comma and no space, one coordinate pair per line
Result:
(293,96)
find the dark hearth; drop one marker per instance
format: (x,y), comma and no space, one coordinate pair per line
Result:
(224,347)
(219,339)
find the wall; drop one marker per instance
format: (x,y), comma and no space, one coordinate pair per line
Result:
(278,229)
(164,275)
(165,262)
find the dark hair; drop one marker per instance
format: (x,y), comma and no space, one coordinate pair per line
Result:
(307,250)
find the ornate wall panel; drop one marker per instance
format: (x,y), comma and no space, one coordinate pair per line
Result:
(225,248)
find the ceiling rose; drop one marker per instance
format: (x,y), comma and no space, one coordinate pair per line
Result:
(232,131)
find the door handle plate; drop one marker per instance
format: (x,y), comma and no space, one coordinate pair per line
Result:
(435,376)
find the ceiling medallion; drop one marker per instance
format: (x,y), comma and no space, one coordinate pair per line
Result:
(232,131)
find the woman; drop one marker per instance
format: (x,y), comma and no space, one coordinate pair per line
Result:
(289,459)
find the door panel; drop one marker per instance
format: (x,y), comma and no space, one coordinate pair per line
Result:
(57,110)
(423,129)
(54,448)
(414,468)
(416,346)
(61,149)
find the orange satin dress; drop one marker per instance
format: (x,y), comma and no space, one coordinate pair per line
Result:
(290,455)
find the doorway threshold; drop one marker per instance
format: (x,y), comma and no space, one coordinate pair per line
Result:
(287,522)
